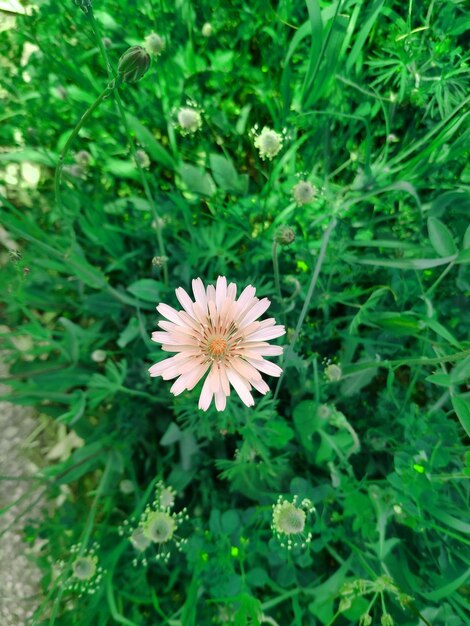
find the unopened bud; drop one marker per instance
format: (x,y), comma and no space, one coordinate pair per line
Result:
(133,64)
(386,620)
(284,236)
(365,620)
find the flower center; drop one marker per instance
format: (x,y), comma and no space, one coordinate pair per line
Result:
(84,567)
(217,346)
(159,527)
(290,520)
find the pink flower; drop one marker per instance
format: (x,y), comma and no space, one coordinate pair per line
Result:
(219,334)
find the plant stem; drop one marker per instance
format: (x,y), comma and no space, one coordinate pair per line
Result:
(70,140)
(303,313)
(146,187)
(122,114)
(277,281)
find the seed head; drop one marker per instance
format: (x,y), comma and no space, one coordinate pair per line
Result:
(284,236)
(142,158)
(289,521)
(82,158)
(189,120)
(268,142)
(84,567)
(85,574)
(333,373)
(139,540)
(154,44)
(304,192)
(159,527)
(133,64)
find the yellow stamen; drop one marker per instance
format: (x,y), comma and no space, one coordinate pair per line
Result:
(217,347)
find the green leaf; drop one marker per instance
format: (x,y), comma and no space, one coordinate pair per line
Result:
(361,37)
(405,264)
(462,410)
(145,289)
(466,238)
(225,174)
(440,330)
(78,265)
(440,237)
(171,435)
(197,180)
(150,144)
(129,333)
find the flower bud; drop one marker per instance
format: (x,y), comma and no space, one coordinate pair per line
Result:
(284,236)
(84,5)
(133,64)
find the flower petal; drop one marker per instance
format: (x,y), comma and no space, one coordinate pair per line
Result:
(240,386)
(266,366)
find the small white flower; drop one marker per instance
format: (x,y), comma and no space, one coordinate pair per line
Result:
(142,158)
(189,120)
(206,30)
(289,522)
(98,356)
(154,44)
(268,142)
(304,192)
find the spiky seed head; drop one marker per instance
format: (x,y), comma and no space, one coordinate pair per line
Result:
(284,236)
(304,192)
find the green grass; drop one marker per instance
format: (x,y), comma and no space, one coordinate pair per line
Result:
(370,99)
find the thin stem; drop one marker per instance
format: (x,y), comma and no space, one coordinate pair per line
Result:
(277,281)
(313,282)
(443,275)
(70,140)
(148,193)
(122,114)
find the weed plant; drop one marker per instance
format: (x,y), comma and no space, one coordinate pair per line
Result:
(319,152)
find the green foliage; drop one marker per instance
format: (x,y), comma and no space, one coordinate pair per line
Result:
(371,101)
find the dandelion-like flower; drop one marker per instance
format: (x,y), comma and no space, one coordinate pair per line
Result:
(268,142)
(189,120)
(86,573)
(156,527)
(219,334)
(290,520)
(154,44)
(304,192)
